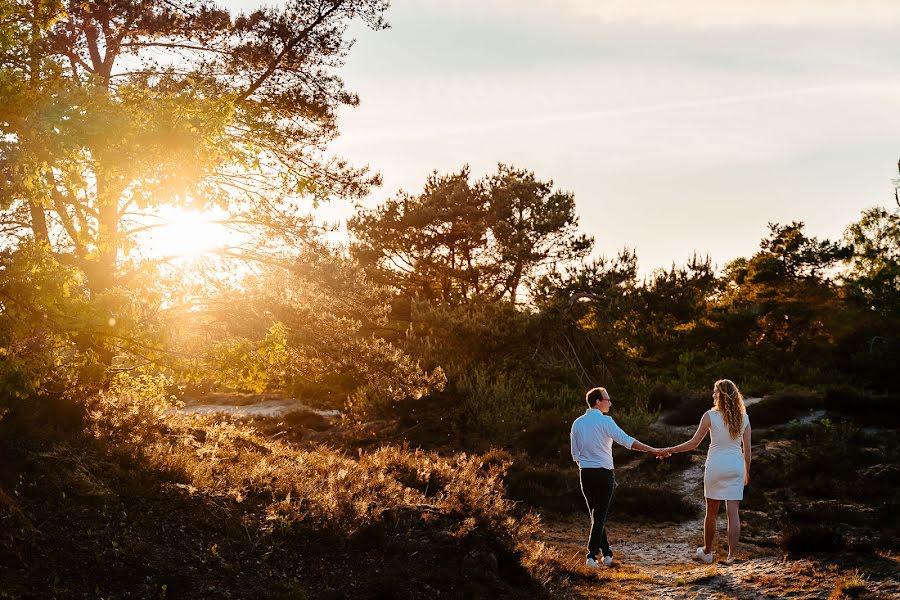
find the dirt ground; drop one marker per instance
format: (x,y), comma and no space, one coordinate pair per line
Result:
(655,561)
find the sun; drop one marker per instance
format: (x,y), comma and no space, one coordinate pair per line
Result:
(187,234)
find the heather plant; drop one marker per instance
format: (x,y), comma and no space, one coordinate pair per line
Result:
(320,489)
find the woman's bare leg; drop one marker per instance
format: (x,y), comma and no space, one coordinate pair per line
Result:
(709,524)
(734,526)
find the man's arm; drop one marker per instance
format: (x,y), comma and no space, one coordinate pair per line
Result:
(623,439)
(573,442)
(640,446)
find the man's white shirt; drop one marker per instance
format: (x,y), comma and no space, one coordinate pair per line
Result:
(592,437)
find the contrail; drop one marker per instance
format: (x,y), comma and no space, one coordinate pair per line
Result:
(501,124)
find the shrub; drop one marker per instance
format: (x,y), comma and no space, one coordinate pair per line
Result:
(445,505)
(646,467)
(810,538)
(662,398)
(828,512)
(133,407)
(306,419)
(651,503)
(494,403)
(690,410)
(633,418)
(548,487)
(851,587)
(546,437)
(782,407)
(865,409)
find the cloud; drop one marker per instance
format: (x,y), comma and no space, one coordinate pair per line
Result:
(447,127)
(744,13)
(700,14)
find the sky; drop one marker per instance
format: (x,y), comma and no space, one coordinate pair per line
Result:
(679,127)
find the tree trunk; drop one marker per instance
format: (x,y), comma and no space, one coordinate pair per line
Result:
(39,223)
(103,275)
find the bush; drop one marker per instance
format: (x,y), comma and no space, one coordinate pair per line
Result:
(495,404)
(783,407)
(690,410)
(662,398)
(409,500)
(546,437)
(828,513)
(851,587)
(865,409)
(307,419)
(647,467)
(547,487)
(810,538)
(651,503)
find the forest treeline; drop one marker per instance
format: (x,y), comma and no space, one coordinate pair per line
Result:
(481,291)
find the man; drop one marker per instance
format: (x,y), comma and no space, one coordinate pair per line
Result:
(592,436)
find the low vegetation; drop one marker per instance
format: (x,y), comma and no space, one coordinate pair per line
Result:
(852,587)
(140,481)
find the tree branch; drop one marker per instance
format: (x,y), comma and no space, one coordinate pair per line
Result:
(273,66)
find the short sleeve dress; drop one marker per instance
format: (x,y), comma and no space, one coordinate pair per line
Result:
(724,475)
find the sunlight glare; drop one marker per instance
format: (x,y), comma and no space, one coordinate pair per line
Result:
(187,233)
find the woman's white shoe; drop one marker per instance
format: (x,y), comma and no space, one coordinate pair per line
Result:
(703,556)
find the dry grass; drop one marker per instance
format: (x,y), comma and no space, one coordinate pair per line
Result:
(455,504)
(693,578)
(622,576)
(851,587)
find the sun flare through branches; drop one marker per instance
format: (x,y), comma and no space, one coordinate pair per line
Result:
(186,234)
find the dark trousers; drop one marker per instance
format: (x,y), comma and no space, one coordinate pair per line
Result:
(597,485)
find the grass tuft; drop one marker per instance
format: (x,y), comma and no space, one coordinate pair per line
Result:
(851,587)
(693,578)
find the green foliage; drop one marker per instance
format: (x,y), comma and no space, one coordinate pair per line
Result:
(457,242)
(875,261)
(493,403)
(132,405)
(99,130)
(102,128)
(783,407)
(251,365)
(57,338)
(650,503)
(312,326)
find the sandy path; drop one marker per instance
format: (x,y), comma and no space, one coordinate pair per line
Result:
(655,560)
(268,408)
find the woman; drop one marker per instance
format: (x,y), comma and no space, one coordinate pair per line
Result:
(727,465)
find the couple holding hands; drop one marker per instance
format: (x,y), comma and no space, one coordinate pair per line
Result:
(727,465)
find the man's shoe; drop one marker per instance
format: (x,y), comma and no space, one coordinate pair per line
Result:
(703,556)
(607,561)
(592,563)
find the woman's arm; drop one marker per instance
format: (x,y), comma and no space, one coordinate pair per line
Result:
(692,443)
(746,442)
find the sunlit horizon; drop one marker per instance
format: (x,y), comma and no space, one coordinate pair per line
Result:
(678,131)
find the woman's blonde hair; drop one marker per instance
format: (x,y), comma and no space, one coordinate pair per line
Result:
(730,402)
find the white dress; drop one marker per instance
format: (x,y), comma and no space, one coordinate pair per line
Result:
(724,475)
